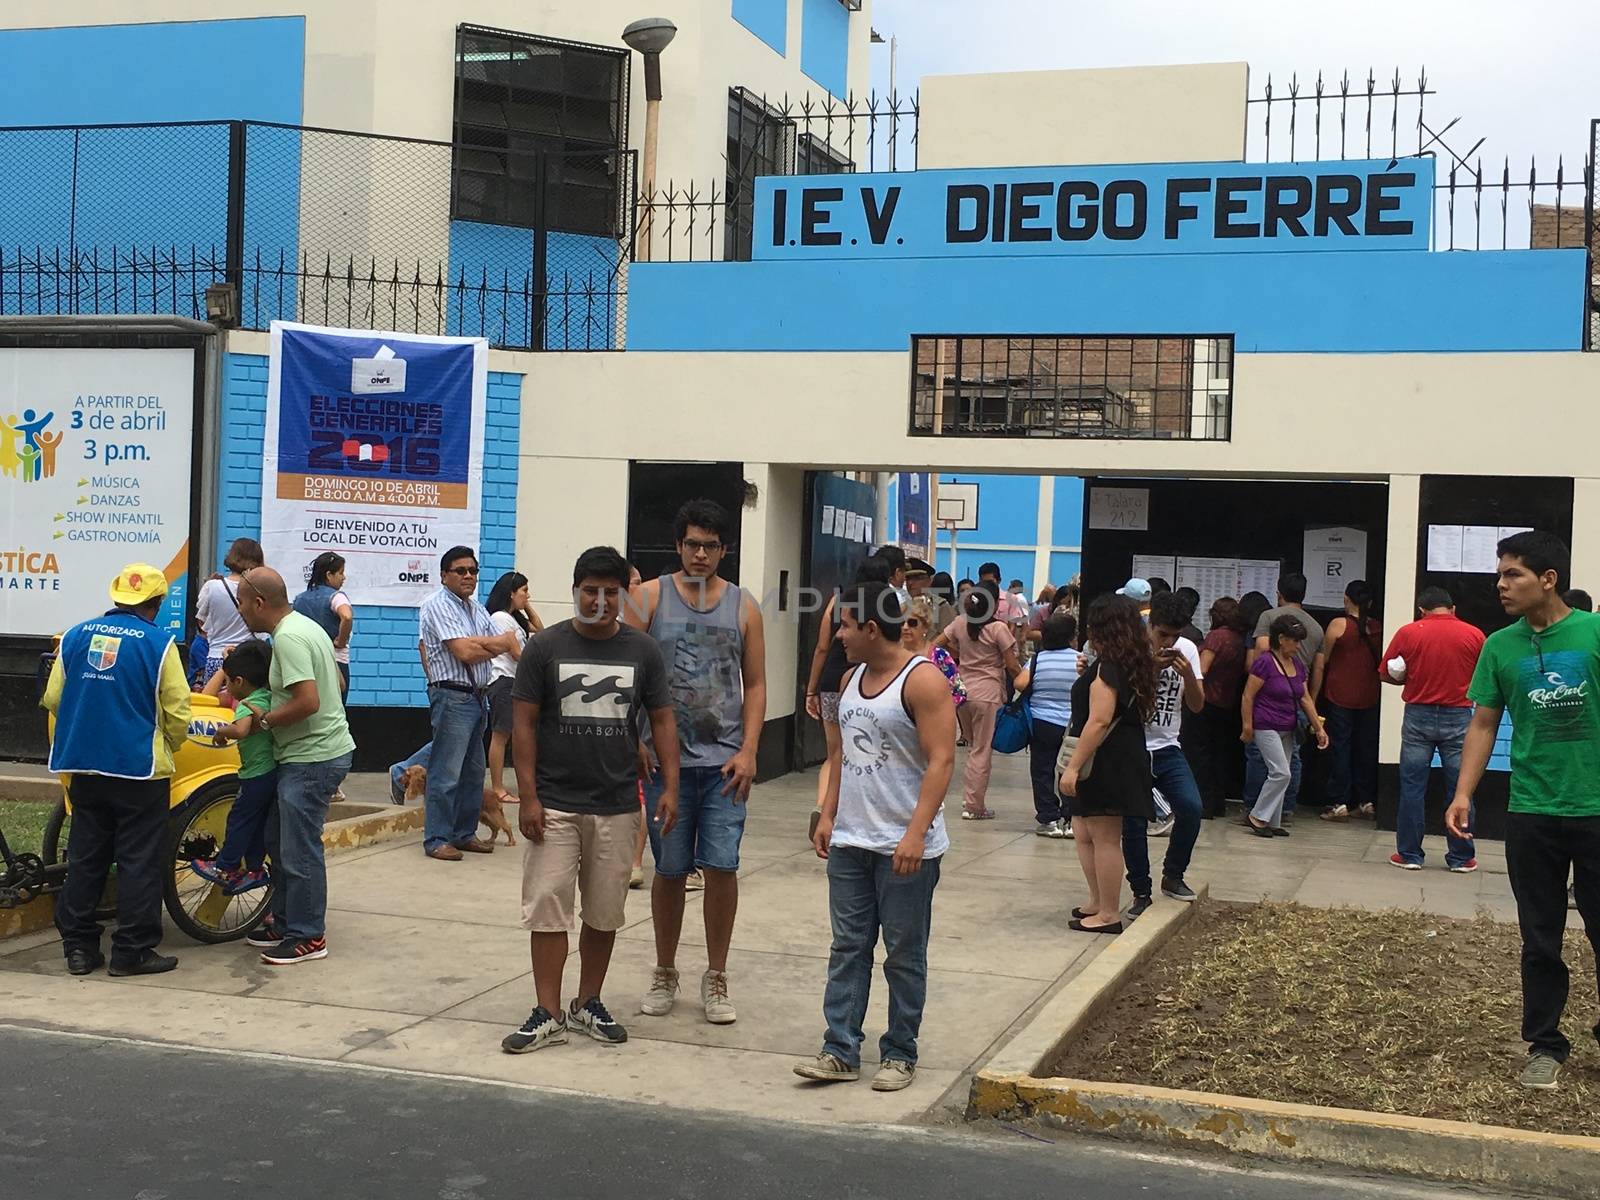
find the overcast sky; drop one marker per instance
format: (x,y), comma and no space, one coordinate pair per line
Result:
(1523,75)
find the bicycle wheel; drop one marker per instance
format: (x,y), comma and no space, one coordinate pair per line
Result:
(198,906)
(52,851)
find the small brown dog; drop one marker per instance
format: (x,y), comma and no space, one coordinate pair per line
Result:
(491,812)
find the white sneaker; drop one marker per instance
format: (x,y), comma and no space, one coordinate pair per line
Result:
(694,882)
(714,996)
(1066,830)
(1161,828)
(663,991)
(1052,829)
(827,1068)
(893,1075)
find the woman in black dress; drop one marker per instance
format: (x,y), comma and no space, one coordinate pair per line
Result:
(1108,775)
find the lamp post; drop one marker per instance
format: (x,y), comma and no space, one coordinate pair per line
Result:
(650,36)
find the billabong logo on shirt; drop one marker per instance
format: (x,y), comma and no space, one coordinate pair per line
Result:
(595,691)
(103,651)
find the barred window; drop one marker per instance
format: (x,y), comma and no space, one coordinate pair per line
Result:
(526,104)
(1073,387)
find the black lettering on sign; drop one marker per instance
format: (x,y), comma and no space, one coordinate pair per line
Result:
(1025,207)
(1337,211)
(1177,211)
(1380,201)
(1288,204)
(1231,204)
(1133,229)
(780,215)
(957,228)
(813,216)
(879,219)
(1000,190)
(1081,230)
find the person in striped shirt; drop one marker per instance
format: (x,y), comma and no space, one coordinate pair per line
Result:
(458,640)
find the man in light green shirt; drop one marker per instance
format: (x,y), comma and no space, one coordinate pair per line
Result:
(312,742)
(1544,668)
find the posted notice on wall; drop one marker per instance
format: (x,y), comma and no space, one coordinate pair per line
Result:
(1119,508)
(1333,558)
(1467,549)
(374,449)
(95,470)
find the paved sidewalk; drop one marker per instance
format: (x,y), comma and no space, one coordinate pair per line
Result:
(429,969)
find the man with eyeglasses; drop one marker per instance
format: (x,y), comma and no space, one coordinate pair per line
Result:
(1546,669)
(458,640)
(711,639)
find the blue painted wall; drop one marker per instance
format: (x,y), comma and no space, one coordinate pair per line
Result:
(1008,515)
(1354,302)
(767,19)
(383,650)
(825,44)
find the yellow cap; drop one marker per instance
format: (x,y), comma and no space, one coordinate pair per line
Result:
(138,584)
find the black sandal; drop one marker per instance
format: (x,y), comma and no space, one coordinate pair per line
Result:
(1082,928)
(1078,914)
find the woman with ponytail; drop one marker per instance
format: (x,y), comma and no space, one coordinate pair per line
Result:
(1346,674)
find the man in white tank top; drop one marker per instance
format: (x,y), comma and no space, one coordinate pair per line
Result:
(882,833)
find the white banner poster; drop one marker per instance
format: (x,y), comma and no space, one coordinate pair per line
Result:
(374,450)
(95,454)
(1334,558)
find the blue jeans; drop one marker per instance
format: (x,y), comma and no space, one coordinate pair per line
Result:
(864,897)
(294,839)
(1428,728)
(455,768)
(1255,773)
(246,837)
(1175,780)
(1353,738)
(709,829)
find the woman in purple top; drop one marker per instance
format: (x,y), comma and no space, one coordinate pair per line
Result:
(1275,687)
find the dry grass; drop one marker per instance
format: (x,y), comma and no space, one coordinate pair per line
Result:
(1395,1012)
(24,820)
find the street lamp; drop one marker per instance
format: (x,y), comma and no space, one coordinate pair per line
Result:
(650,36)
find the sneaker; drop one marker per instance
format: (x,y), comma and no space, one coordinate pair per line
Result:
(893,1075)
(1337,812)
(695,882)
(636,878)
(1162,828)
(594,1020)
(246,881)
(264,936)
(208,870)
(397,785)
(1136,909)
(1367,812)
(714,996)
(658,1000)
(537,1032)
(1396,861)
(291,952)
(1066,830)
(1177,889)
(1466,868)
(1051,829)
(829,1068)
(1540,1073)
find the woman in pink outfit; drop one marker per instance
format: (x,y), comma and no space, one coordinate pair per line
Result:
(986,652)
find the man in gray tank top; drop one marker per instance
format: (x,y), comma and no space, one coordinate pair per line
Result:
(883,835)
(711,639)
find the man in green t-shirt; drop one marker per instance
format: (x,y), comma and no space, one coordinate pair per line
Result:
(312,742)
(1546,669)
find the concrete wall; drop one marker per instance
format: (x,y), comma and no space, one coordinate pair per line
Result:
(1053,118)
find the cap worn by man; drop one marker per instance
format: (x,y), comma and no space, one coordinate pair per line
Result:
(1137,590)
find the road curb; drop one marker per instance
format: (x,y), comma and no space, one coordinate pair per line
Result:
(338,837)
(1011,1089)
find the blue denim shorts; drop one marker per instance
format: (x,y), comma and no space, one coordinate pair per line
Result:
(709,829)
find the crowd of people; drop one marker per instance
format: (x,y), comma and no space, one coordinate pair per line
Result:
(640,718)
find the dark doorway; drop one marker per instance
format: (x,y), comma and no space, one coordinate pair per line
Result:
(656,490)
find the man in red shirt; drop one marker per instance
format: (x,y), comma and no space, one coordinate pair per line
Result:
(1434,658)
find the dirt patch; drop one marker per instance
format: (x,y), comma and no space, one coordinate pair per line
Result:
(1394,1012)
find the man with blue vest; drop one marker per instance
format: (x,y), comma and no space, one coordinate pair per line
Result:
(121,704)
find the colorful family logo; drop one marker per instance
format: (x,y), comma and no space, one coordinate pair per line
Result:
(26,451)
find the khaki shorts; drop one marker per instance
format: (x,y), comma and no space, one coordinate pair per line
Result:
(591,854)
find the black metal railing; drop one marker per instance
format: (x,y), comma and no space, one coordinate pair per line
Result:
(314,225)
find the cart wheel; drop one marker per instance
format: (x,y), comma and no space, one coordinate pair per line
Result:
(198,906)
(52,851)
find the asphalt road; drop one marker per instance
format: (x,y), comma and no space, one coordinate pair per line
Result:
(113,1120)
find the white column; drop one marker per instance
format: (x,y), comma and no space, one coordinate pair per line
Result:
(1046,535)
(1399,596)
(1586,535)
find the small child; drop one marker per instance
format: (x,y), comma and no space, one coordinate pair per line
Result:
(239,865)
